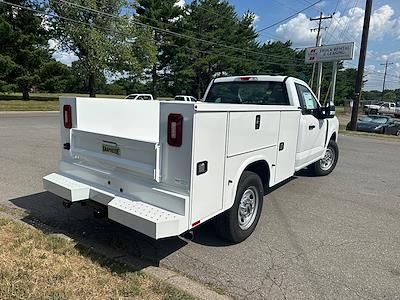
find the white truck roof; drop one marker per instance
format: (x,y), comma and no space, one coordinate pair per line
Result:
(251,77)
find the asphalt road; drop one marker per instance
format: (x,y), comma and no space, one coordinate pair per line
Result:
(334,237)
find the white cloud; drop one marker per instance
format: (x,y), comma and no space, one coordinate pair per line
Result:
(180,3)
(65,57)
(321,4)
(256,19)
(342,28)
(392,57)
(370,68)
(298,31)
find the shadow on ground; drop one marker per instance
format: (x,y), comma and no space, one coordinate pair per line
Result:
(46,212)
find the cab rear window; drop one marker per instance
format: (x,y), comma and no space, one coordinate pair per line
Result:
(248,92)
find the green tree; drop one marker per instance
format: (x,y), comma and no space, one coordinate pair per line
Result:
(23,47)
(79,81)
(55,77)
(389,95)
(281,59)
(102,42)
(162,14)
(196,62)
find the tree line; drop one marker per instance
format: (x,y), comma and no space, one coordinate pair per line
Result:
(150,46)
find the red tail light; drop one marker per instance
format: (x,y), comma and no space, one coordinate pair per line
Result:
(175,122)
(67,116)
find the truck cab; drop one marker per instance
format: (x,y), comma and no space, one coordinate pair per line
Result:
(164,167)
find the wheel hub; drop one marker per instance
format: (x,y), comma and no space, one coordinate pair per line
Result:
(327,161)
(248,208)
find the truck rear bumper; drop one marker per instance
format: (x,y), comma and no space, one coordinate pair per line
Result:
(146,218)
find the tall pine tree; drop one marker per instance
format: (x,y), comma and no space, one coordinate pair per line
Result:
(23,47)
(161,14)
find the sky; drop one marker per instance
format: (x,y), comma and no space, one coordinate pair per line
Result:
(345,26)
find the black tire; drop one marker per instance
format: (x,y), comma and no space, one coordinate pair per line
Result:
(227,225)
(318,167)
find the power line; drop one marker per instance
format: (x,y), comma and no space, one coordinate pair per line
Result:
(384,77)
(318,43)
(338,20)
(361,65)
(172,32)
(344,31)
(91,25)
(289,17)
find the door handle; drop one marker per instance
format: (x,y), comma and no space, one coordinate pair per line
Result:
(311,127)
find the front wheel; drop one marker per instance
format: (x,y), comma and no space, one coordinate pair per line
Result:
(326,165)
(239,222)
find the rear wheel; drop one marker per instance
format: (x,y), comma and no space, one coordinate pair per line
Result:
(239,222)
(326,165)
(373,112)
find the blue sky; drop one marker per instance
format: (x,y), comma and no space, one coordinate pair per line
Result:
(346,26)
(384,38)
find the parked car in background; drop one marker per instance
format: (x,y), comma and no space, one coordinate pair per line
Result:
(377,124)
(384,108)
(139,97)
(185,98)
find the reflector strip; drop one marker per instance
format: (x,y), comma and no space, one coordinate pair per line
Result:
(196,223)
(175,124)
(67,116)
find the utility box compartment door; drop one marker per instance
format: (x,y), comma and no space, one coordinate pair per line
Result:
(208,164)
(251,131)
(287,143)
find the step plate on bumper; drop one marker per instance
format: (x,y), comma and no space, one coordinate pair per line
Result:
(138,215)
(65,187)
(145,218)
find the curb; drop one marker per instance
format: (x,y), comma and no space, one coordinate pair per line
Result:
(175,279)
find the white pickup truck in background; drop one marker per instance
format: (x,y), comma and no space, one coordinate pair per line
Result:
(140,97)
(162,168)
(185,98)
(384,108)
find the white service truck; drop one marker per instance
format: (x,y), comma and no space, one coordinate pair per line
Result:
(162,168)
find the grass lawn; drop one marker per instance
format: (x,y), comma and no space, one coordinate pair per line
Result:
(35,265)
(51,96)
(42,101)
(367,134)
(32,105)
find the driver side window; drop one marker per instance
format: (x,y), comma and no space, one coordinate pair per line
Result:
(307,100)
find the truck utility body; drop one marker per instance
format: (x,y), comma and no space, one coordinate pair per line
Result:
(162,168)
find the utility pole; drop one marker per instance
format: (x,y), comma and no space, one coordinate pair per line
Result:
(384,77)
(317,44)
(361,65)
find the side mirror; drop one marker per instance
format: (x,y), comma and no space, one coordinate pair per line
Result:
(329,111)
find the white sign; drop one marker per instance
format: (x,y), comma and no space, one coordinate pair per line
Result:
(335,52)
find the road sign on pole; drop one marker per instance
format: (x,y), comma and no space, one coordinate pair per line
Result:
(328,53)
